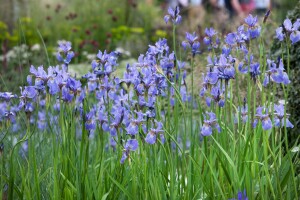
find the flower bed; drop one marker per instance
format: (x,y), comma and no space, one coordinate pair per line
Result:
(147,134)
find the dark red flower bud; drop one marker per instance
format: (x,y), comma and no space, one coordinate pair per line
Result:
(114,18)
(110,11)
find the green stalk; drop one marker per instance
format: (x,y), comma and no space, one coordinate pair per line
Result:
(55,152)
(11,170)
(32,159)
(174,40)
(266,164)
(253,165)
(286,92)
(287,144)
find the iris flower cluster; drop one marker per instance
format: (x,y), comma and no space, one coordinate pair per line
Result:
(221,71)
(126,108)
(248,65)
(289,29)
(276,73)
(211,40)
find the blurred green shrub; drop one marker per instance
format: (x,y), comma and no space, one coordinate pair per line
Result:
(283,6)
(96,24)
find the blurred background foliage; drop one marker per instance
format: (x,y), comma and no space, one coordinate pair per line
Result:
(98,24)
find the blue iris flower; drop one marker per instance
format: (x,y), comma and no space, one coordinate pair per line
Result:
(209,124)
(173,14)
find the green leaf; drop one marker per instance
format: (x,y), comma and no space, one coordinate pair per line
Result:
(120,186)
(105,195)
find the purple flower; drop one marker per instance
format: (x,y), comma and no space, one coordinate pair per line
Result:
(279,117)
(90,120)
(254,68)
(64,50)
(105,63)
(118,114)
(209,80)
(10,115)
(210,32)
(67,96)
(263,117)
(64,46)
(253,29)
(53,87)
(225,68)
(254,32)
(277,75)
(7,96)
(183,94)
(73,85)
(41,120)
(29,92)
(161,46)
(192,42)
(39,72)
(289,28)
(150,138)
(208,39)
(244,113)
(152,134)
(113,143)
(133,127)
(29,107)
(231,39)
(242,34)
(174,15)
(251,21)
(69,57)
(241,196)
(217,95)
(131,145)
(209,124)
(24,149)
(295,37)
(191,38)
(266,16)
(279,34)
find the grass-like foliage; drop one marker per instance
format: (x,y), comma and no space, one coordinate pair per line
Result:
(150,134)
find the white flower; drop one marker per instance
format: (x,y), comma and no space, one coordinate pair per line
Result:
(282,102)
(295,149)
(91,56)
(123,51)
(36,47)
